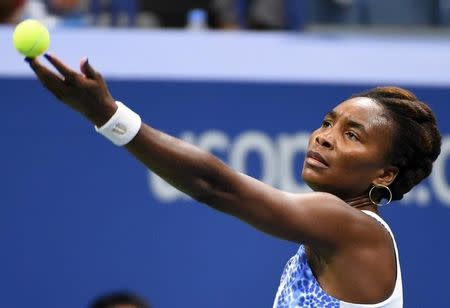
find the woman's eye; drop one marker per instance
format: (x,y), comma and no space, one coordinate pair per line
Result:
(352,135)
(326,124)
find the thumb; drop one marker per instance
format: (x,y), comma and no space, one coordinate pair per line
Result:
(87,69)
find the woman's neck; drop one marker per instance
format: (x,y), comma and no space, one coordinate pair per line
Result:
(362,203)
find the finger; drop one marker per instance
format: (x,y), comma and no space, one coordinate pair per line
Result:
(42,72)
(64,70)
(49,79)
(88,70)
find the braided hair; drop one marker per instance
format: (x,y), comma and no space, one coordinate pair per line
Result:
(416,141)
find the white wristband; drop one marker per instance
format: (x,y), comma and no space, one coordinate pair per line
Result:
(122,127)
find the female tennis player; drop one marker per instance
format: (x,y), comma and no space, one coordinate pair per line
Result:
(372,147)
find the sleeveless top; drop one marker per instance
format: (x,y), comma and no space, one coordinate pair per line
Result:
(299,288)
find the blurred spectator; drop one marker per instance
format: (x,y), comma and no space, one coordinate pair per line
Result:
(444,12)
(36,9)
(57,12)
(121,299)
(337,12)
(293,14)
(172,13)
(72,13)
(63,7)
(260,14)
(403,13)
(10,11)
(251,14)
(117,13)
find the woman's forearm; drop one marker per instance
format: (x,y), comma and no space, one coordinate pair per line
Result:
(186,167)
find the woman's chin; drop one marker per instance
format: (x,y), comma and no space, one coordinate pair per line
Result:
(314,181)
(311,178)
(311,183)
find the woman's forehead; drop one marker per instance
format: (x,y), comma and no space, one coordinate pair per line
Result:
(361,109)
(359,106)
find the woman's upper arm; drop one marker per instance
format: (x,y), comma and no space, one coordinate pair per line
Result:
(315,218)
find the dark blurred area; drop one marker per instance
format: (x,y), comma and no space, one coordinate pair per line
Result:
(172,13)
(10,10)
(119,299)
(291,15)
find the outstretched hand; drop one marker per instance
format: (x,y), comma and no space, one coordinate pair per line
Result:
(85,92)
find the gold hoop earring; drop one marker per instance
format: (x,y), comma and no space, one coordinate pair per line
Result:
(380,186)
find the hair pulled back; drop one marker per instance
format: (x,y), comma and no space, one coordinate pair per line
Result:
(416,141)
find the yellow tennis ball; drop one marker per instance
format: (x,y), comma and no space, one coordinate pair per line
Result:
(31,38)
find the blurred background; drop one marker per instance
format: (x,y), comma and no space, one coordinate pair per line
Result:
(245,79)
(232,14)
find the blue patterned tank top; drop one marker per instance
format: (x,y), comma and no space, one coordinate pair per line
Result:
(300,289)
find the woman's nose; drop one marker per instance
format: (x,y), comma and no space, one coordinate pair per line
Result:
(324,140)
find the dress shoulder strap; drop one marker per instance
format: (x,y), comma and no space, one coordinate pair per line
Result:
(396,299)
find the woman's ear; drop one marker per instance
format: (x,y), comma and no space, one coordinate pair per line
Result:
(387,176)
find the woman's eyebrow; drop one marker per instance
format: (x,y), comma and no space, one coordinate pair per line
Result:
(332,114)
(352,123)
(356,125)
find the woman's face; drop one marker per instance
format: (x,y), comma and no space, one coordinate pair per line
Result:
(348,152)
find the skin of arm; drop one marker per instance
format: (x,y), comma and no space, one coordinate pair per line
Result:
(314,219)
(208,180)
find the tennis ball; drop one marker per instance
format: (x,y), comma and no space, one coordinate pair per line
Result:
(31,38)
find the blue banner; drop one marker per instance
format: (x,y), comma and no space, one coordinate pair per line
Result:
(80,216)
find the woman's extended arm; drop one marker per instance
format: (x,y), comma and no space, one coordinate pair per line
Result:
(314,218)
